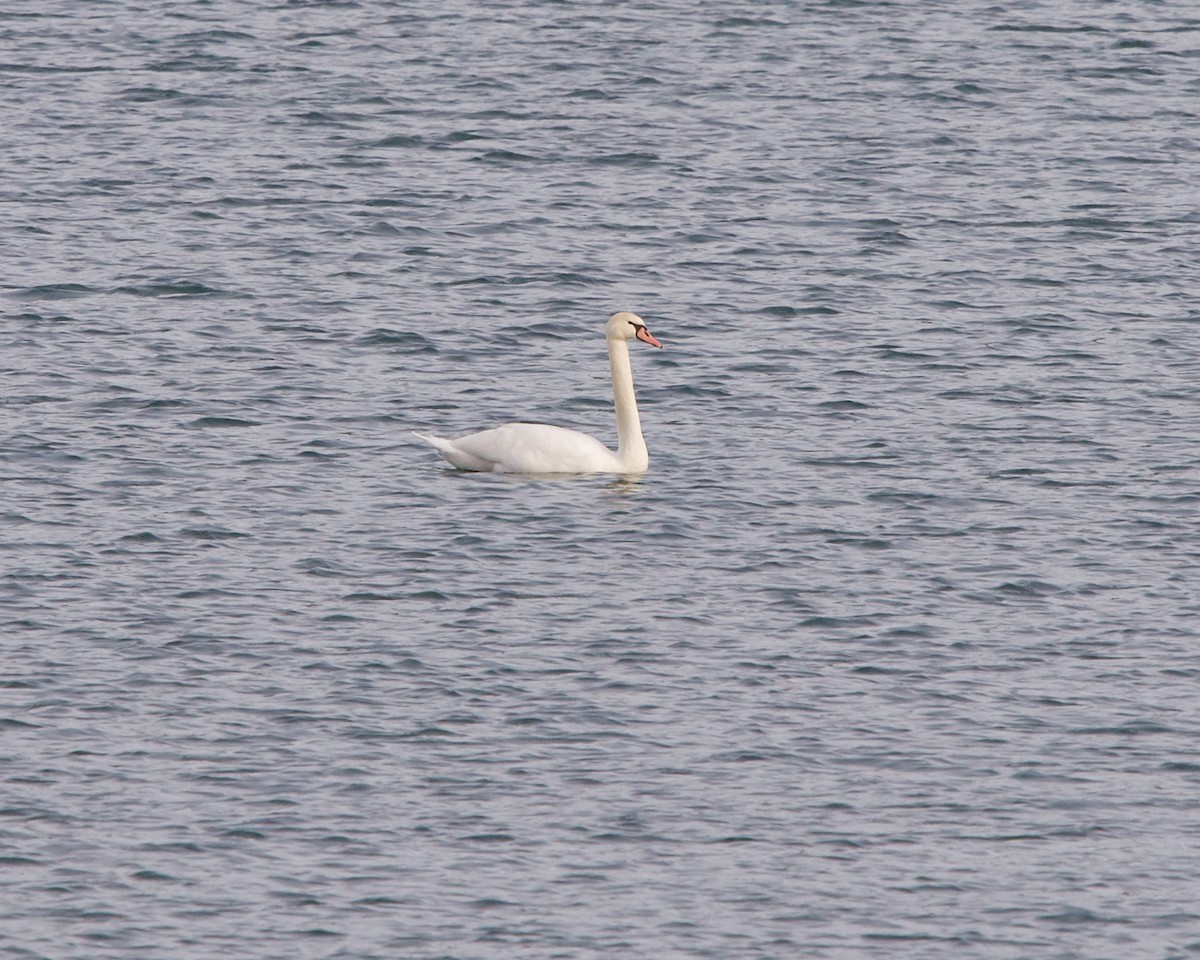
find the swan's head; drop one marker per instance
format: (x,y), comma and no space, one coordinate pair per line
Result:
(626,326)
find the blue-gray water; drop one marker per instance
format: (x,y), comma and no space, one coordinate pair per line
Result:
(894,651)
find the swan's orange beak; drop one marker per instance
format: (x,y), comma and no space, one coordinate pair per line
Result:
(647,337)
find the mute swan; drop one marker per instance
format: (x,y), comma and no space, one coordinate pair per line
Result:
(541,448)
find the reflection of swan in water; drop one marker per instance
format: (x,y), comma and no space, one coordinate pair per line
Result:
(541,448)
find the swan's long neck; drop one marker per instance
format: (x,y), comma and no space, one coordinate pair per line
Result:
(631,447)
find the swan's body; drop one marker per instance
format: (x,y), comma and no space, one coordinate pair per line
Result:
(541,448)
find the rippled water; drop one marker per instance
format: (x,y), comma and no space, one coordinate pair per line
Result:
(892,653)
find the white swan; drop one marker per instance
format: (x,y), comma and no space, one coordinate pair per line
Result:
(541,448)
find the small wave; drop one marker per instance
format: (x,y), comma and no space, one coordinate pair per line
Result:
(506,156)
(54,291)
(409,340)
(144,537)
(150,94)
(205,422)
(176,288)
(842,405)
(400,141)
(210,533)
(631,159)
(1029,588)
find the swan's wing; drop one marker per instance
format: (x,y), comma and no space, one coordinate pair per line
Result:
(538,448)
(528,448)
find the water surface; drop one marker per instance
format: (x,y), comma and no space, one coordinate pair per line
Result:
(892,653)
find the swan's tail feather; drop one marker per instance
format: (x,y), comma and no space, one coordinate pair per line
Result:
(451,453)
(441,444)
